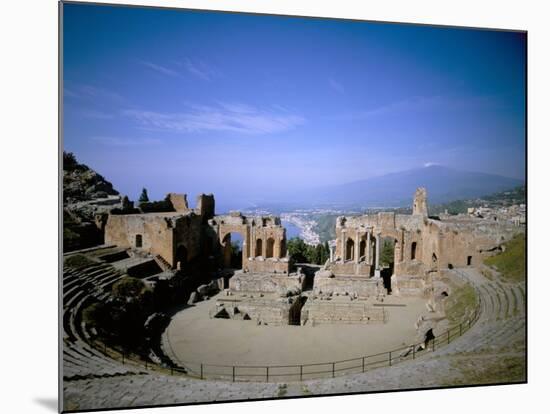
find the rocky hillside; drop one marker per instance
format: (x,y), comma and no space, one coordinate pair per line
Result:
(86,194)
(81,183)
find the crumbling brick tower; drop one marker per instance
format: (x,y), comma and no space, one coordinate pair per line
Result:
(420,202)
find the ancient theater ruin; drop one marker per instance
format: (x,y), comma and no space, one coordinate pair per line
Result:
(177,234)
(231,285)
(270,289)
(422,246)
(184,235)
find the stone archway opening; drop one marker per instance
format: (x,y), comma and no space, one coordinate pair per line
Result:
(181,256)
(387,252)
(350,249)
(387,260)
(232,245)
(259,247)
(413,251)
(362,248)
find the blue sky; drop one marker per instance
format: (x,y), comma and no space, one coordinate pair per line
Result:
(241,105)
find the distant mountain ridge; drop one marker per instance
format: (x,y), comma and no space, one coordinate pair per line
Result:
(396,189)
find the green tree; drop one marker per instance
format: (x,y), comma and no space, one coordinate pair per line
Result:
(297,250)
(320,255)
(300,252)
(143,198)
(387,253)
(69,161)
(129,288)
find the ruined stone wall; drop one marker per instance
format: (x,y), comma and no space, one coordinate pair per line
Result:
(260,265)
(422,244)
(409,267)
(420,202)
(317,312)
(187,234)
(431,245)
(272,240)
(179,202)
(266,283)
(263,238)
(161,234)
(156,234)
(223,226)
(352,269)
(360,287)
(261,311)
(205,206)
(266,312)
(476,238)
(403,229)
(407,285)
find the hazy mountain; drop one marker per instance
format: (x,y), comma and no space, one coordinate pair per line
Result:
(397,189)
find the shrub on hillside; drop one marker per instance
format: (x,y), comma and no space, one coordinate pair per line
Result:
(69,161)
(78,260)
(129,287)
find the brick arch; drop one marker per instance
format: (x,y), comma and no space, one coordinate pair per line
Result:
(226,229)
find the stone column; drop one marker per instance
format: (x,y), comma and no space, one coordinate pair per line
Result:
(276,247)
(377,265)
(402,252)
(331,251)
(368,248)
(245,253)
(343,246)
(356,254)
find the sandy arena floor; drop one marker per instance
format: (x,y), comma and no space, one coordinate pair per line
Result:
(193,337)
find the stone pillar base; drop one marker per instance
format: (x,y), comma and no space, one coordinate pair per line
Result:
(377,273)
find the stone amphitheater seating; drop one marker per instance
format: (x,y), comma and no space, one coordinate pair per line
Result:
(501,324)
(82,286)
(502,320)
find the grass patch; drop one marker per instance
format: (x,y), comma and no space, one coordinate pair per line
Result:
(492,371)
(78,260)
(281,392)
(462,300)
(511,262)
